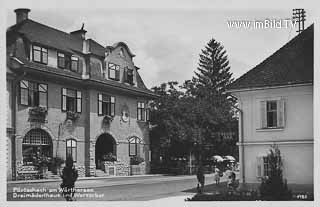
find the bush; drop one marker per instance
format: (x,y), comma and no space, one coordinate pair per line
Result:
(274,187)
(109,157)
(226,196)
(136,160)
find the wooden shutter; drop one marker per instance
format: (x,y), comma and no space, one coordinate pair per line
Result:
(112,103)
(24,85)
(280,113)
(64,99)
(260,167)
(79,101)
(125,75)
(117,72)
(99,104)
(263,114)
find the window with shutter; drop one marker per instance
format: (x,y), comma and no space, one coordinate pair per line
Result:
(106,105)
(272,114)
(33,94)
(71,100)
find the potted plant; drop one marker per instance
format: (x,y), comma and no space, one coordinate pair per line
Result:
(135,162)
(109,157)
(37,114)
(72,115)
(107,119)
(43,163)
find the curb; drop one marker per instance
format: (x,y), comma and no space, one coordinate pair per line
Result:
(98,178)
(81,178)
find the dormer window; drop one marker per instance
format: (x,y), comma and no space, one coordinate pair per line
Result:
(114,71)
(128,75)
(61,60)
(74,63)
(40,54)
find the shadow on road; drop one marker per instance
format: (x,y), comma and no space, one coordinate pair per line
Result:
(209,188)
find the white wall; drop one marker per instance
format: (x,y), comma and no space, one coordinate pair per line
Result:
(298,114)
(297,152)
(297,162)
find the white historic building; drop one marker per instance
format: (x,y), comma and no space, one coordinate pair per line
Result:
(276,107)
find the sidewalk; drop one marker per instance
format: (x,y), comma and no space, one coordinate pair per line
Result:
(109,177)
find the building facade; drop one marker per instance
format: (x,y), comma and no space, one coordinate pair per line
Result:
(70,96)
(276,107)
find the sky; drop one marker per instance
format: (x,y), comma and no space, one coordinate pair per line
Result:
(167,41)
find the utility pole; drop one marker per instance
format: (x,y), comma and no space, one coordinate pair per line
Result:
(299,16)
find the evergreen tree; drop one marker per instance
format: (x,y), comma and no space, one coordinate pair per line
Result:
(208,88)
(274,187)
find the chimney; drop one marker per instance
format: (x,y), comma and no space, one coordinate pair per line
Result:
(81,33)
(21,14)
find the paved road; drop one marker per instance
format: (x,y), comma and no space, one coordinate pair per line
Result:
(115,189)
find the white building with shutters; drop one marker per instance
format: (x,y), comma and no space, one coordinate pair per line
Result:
(275,103)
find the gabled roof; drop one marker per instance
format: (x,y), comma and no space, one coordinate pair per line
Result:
(117,44)
(51,37)
(291,64)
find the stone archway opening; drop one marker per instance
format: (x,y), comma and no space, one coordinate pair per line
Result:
(36,145)
(105,144)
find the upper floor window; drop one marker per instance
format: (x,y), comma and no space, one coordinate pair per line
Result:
(272,114)
(106,105)
(40,54)
(74,63)
(71,100)
(33,94)
(128,75)
(114,71)
(61,60)
(141,111)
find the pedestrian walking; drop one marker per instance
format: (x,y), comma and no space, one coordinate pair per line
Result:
(69,177)
(201,178)
(217,176)
(232,183)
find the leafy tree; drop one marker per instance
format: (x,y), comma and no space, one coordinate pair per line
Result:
(188,116)
(274,187)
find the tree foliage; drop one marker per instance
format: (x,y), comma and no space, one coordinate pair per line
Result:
(199,108)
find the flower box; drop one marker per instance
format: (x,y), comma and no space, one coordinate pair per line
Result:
(37,114)
(72,115)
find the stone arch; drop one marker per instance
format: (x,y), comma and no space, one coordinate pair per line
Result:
(36,144)
(105,144)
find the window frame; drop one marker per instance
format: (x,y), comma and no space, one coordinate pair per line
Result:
(42,50)
(30,92)
(111,104)
(64,60)
(274,112)
(77,100)
(279,110)
(116,71)
(127,80)
(74,59)
(141,116)
(136,142)
(72,140)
